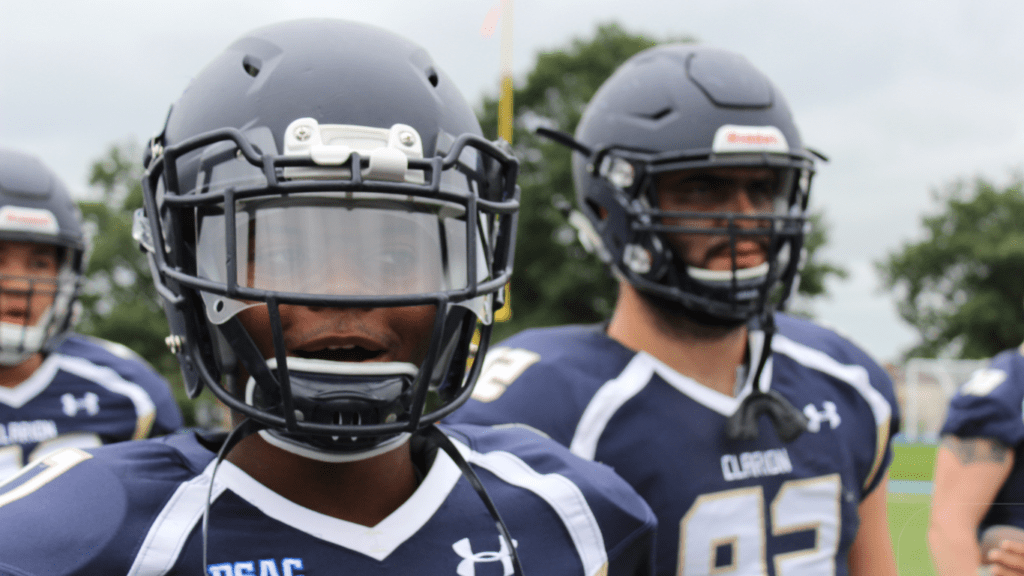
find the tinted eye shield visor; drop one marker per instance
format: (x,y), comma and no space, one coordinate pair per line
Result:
(340,245)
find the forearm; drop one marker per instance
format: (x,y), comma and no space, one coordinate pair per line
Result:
(871,553)
(968,474)
(955,549)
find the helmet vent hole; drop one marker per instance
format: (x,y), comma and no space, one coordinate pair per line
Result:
(432,77)
(659,114)
(251,65)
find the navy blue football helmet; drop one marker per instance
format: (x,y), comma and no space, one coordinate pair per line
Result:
(682,107)
(681,112)
(292,160)
(36,207)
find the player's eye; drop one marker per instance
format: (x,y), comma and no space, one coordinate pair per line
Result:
(275,263)
(762,193)
(42,264)
(697,193)
(399,260)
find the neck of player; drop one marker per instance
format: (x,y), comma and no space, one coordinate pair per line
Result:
(11,376)
(364,492)
(709,355)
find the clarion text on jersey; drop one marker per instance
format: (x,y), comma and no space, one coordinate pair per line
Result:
(756,464)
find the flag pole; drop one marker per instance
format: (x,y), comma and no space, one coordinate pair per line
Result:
(505,119)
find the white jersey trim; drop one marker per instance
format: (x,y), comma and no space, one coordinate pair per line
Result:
(32,386)
(183,512)
(607,401)
(172,527)
(611,396)
(563,495)
(724,404)
(853,374)
(145,410)
(377,542)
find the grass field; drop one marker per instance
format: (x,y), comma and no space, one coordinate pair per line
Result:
(913,462)
(908,513)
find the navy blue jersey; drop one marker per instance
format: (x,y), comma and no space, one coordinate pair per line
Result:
(136,508)
(86,393)
(739,507)
(989,406)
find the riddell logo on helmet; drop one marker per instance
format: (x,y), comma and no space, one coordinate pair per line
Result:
(737,139)
(734,137)
(27,220)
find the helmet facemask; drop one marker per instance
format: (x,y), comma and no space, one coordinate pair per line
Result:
(643,237)
(44,252)
(300,229)
(43,303)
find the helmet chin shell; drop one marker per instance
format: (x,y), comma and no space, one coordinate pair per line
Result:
(339,393)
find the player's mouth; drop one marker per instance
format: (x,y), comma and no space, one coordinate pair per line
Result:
(14,315)
(748,255)
(337,348)
(349,353)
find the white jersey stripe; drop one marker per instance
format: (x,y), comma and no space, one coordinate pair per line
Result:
(559,492)
(636,375)
(170,530)
(853,374)
(32,386)
(606,402)
(145,410)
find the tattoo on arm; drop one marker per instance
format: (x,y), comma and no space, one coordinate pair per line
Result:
(971,450)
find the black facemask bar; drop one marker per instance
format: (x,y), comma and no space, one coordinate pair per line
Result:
(171,220)
(53,297)
(36,295)
(645,226)
(636,220)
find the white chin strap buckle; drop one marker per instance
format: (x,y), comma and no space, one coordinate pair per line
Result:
(331,145)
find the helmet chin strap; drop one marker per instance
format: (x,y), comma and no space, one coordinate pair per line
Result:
(18,342)
(789,422)
(314,453)
(444,443)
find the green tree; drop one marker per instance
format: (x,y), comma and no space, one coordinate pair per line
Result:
(815,271)
(961,286)
(119,302)
(555,280)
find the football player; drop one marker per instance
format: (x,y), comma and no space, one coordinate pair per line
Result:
(328,228)
(977,515)
(760,440)
(58,389)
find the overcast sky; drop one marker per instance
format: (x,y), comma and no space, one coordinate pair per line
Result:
(904,96)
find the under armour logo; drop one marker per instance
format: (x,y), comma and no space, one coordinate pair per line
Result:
(90,403)
(815,418)
(468,565)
